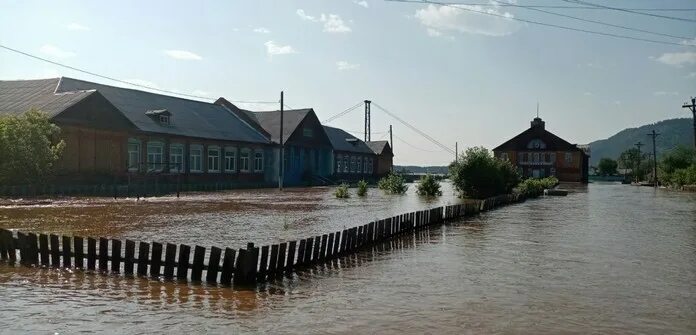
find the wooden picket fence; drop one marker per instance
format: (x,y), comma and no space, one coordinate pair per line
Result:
(242,267)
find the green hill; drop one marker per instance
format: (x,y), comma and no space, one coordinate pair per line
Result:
(673,132)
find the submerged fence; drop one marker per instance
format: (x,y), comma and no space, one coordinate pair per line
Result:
(243,267)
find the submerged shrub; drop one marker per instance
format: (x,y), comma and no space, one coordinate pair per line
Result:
(393,184)
(535,187)
(362,188)
(428,186)
(342,191)
(477,174)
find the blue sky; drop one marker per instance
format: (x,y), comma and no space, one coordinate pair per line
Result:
(456,75)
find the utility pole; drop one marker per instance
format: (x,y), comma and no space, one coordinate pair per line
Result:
(281,170)
(653,134)
(456,151)
(391,143)
(637,172)
(367,121)
(692,107)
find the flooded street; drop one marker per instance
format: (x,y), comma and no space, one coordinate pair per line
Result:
(605,259)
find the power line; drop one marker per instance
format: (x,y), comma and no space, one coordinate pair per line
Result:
(124,81)
(415,147)
(543,23)
(591,21)
(629,11)
(428,137)
(572,7)
(344,112)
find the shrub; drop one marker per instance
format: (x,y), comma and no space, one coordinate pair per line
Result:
(362,188)
(428,186)
(535,187)
(681,177)
(342,191)
(393,184)
(27,150)
(477,174)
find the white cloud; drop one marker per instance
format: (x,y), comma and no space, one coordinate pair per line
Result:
(345,66)
(587,94)
(434,32)
(55,51)
(262,30)
(664,93)
(182,54)
(361,3)
(691,75)
(301,13)
(678,58)
(689,42)
(76,26)
(274,49)
(463,19)
(334,24)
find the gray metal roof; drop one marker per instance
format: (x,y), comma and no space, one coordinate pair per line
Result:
(19,96)
(343,141)
(378,147)
(270,121)
(188,117)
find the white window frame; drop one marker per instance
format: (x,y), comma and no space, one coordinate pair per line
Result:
(134,166)
(535,157)
(174,157)
(231,156)
(339,161)
(155,160)
(196,158)
(244,161)
(258,161)
(346,163)
(359,165)
(371,166)
(164,119)
(213,165)
(568,158)
(504,156)
(352,164)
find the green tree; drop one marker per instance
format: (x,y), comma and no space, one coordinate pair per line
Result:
(28,150)
(362,188)
(428,186)
(477,174)
(680,157)
(607,166)
(393,184)
(635,161)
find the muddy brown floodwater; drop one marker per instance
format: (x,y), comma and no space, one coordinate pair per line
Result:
(605,259)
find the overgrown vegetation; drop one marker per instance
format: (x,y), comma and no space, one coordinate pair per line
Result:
(342,191)
(27,151)
(362,188)
(477,174)
(635,161)
(429,186)
(534,187)
(678,167)
(393,184)
(607,167)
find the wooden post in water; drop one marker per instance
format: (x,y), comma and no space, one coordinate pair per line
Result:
(227,267)
(182,267)
(263,266)
(129,257)
(79,247)
(91,252)
(291,255)
(197,266)
(67,255)
(156,260)
(115,256)
(213,265)
(104,254)
(281,258)
(169,261)
(273,262)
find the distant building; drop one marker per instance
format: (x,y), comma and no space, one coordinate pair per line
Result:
(538,153)
(112,132)
(385,157)
(308,150)
(352,158)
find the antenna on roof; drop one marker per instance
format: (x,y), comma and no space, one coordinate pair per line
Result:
(537,109)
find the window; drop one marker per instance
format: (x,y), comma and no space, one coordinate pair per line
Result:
(359,165)
(230,159)
(338,163)
(213,159)
(352,164)
(370,166)
(345,164)
(196,157)
(307,132)
(244,160)
(504,156)
(365,165)
(164,119)
(536,157)
(523,157)
(568,158)
(154,156)
(176,158)
(133,154)
(553,157)
(258,161)
(536,144)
